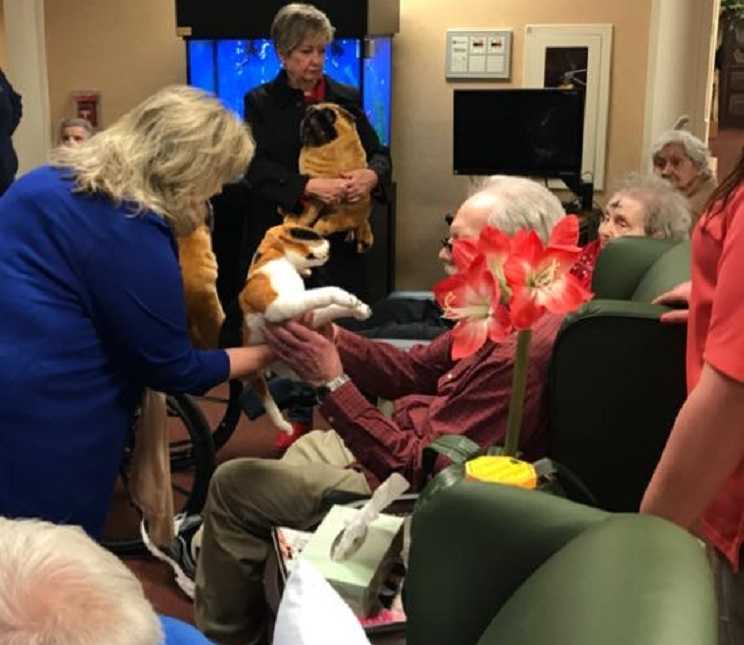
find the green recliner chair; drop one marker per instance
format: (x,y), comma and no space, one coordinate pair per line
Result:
(617,375)
(492,565)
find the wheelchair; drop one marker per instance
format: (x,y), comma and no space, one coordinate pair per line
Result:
(193,446)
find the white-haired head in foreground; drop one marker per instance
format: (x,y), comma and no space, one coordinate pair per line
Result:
(507,203)
(58,587)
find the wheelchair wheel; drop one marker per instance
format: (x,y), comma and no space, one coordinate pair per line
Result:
(231,416)
(192,458)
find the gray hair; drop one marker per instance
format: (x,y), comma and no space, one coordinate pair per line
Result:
(666,210)
(58,587)
(76,122)
(295,22)
(694,148)
(518,203)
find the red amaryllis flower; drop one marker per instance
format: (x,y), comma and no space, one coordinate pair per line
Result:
(473,299)
(495,246)
(565,232)
(539,276)
(464,251)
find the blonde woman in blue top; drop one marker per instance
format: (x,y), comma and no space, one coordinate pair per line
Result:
(91,301)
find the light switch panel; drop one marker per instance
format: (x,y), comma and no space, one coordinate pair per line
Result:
(478,54)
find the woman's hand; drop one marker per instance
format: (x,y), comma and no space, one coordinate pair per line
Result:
(311,355)
(360,183)
(680,295)
(331,191)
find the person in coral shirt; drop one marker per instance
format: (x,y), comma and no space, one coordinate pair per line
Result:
(699,481)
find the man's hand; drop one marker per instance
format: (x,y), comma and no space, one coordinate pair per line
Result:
(328,330)
(311,355)
(359,183)
(680,295)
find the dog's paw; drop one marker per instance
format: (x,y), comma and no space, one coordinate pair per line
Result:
(361,311)
(343,298)
(284,426)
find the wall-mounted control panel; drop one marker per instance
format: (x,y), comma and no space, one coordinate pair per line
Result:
(480,54)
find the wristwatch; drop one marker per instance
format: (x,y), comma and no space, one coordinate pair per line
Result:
(322,391)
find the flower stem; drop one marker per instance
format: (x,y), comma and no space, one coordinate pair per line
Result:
(516,404)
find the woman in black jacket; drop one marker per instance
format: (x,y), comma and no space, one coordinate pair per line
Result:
(274,110)
(10,115)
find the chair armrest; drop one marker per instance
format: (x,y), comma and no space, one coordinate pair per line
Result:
(472,545)
(606,308)
(622,264)
(402,343)
(411,295)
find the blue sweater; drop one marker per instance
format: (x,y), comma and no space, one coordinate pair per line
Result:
(91,312)
(177,632)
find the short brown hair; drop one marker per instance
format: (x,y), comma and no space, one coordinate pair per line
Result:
(294,22)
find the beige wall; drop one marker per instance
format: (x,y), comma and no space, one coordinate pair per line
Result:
(128,49)
(125,49)
(422,118)
(3,52)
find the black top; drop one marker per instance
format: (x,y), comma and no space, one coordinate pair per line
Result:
(274,111)
(10,115)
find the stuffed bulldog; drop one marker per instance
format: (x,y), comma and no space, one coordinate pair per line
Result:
(331,146)
(199,273)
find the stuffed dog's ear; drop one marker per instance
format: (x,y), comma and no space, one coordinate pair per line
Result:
(346,114)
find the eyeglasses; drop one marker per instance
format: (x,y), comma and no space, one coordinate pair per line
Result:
(446,241)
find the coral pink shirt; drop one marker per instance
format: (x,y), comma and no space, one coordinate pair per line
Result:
(715,336)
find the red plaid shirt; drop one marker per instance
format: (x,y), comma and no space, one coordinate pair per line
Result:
(434,395)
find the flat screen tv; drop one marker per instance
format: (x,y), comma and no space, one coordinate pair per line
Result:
(230,68)
(532,132)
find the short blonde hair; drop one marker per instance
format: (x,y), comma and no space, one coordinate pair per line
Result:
(168,155)
(296,21)
(58,587)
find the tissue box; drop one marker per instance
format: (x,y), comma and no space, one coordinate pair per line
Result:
(359,578)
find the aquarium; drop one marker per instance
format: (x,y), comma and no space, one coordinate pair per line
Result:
(230,68)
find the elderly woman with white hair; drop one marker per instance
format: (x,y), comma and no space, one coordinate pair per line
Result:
(641,206)
(645,206)
(681,158)
(92,307)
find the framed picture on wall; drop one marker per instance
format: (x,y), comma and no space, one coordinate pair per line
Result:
(576,57)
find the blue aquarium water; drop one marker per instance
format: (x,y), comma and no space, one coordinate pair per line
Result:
(230,68)
(378,87)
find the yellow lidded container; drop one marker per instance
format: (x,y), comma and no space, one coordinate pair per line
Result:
(502,470)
